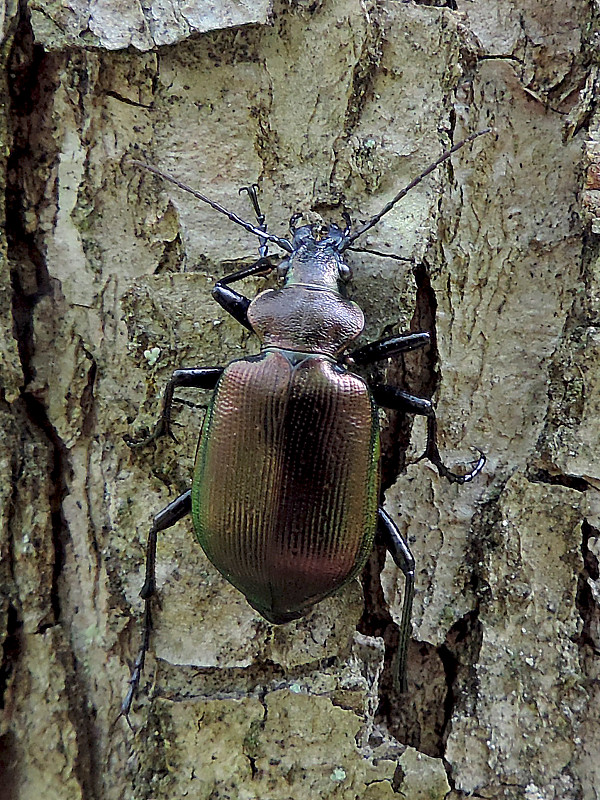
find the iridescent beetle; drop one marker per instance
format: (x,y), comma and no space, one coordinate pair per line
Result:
(285,492)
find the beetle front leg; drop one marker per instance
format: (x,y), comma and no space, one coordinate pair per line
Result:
(390,397)
(166,518)
(404,560)
(233,302)
(194,377)
(252,191)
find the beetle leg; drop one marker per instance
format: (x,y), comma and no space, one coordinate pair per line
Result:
(260,217)
(405,561)
(390,397)
(166,518)
(194,377)
(432,454)
(233,302)
(384,348)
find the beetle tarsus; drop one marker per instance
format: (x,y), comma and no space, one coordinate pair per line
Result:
(432,454)
(162,428)
(404,560)
(392,397)
(192,377)
(348,220)
(149,587)
(138,667)
(166,518)
(252,191)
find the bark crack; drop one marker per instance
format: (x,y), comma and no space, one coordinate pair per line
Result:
(417,373)
(588,590)
(30,88)
(33,80)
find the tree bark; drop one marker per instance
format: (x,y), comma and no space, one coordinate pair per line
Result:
(329,106)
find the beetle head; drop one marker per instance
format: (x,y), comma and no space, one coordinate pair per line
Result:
(315,259)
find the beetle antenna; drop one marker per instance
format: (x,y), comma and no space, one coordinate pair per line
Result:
(380,253)
(388,206)
(283,243)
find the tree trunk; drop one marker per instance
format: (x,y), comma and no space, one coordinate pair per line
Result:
(328,106)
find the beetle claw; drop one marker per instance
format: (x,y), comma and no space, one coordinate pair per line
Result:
(454,477)
(162,428)
(133,444)
(466,477)
(127,702)
(432,454)
(125,714)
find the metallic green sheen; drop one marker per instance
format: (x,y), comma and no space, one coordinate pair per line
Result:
(285,488)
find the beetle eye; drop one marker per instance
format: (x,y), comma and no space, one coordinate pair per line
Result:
(345,271)
(282,269)
(294,220)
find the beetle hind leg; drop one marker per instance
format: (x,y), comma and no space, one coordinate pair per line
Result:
(404,560)
(166,518)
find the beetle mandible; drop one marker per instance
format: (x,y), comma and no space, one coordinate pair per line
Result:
(284,497)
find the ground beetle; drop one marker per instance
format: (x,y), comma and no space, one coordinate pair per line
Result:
(284,497)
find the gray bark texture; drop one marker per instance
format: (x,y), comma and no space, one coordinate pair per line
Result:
(329,106)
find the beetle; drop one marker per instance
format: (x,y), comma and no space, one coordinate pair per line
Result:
(285,490)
